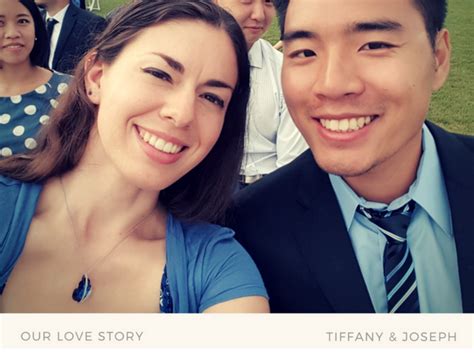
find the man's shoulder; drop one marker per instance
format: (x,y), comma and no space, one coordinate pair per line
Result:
(87,16)
(270,53)
(450,140)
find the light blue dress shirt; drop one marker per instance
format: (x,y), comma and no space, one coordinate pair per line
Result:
(429,237)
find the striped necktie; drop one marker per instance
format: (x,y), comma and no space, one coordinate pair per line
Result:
(399,269)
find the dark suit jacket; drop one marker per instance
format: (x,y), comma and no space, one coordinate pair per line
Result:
(291,224)
(76,37)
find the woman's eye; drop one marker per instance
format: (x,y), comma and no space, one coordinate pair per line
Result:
(305,53)
(158,74)
(377,45)
(24,21)
(214,99)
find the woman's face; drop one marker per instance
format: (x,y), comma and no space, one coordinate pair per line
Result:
(17,32)
(162,101)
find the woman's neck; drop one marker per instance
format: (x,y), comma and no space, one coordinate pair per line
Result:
(20,78)
(102,202)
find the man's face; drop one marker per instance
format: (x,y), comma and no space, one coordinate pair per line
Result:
(253,16)
(357,77)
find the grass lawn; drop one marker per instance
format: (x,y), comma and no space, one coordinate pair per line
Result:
(453,106)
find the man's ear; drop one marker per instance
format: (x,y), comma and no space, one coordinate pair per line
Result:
(442,53)
(94,70)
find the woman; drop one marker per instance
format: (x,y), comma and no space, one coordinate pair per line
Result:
(141,154)
(28,91)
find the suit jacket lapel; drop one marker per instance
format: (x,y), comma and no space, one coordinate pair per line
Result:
(68,24)
(325,243)
(458,169)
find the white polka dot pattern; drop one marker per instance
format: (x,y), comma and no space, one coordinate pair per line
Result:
(30,143)
(41,90)
(18,131)
(62,87)
(5,118)
(53,103)
(6,152)
(16,99)
(30,110)
(22,116)
(44,119)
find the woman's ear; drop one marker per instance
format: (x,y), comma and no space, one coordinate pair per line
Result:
(94,69)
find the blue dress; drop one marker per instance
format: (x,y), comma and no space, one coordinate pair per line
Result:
(205,265)
(22,116)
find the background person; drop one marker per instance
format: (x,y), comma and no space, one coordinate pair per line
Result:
(28,91)
(121,190)
(72,31)
(272,138)
(375,217)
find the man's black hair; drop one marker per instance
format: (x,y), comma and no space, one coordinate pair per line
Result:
(433,12)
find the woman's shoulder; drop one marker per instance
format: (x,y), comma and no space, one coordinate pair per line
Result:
(199,234)
(217,267)
(12,190)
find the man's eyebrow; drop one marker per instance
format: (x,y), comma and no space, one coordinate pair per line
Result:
(367,26)
(294,35)
(173,63)
(374,26)
(218,84)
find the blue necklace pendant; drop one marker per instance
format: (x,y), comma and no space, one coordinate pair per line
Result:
(83,290)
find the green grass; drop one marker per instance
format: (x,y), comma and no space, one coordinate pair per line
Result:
(453,106)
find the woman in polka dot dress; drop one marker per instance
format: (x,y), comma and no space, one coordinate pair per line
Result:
(28,91)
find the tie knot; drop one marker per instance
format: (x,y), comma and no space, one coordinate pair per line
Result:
(52,20)
(392,224)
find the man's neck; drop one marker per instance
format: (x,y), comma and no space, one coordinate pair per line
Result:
(54,8)
(393,177)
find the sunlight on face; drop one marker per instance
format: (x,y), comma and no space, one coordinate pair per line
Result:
(163,100)
(358,77)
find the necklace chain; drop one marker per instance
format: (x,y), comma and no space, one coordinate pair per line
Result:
(105,256)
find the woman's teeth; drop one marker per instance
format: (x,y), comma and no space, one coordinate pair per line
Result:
(159,143)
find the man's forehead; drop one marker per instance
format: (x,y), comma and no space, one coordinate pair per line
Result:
(349,15)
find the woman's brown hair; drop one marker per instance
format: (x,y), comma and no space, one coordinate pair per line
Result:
(204,192)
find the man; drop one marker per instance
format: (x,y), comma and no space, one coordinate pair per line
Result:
(375,216)
(72,31)
(272,139)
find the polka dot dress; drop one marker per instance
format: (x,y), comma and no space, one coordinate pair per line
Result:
(22,116)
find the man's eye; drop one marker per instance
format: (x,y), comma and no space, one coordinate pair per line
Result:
(305,53)
(214,99)
(377,45)
(158,74)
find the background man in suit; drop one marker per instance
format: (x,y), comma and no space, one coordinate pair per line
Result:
(72,31)
(375,216)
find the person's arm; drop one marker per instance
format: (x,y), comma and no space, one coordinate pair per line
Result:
(252,304)
(226,278)
(289,141)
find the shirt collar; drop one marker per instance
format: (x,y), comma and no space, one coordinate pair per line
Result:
(428,190)
(256,55)
(59,15)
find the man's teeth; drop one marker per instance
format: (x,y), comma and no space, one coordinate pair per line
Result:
(347,124)
(160,144)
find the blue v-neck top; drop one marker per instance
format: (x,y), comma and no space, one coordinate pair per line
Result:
(205,264)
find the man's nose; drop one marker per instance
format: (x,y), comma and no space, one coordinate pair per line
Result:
(337,77)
